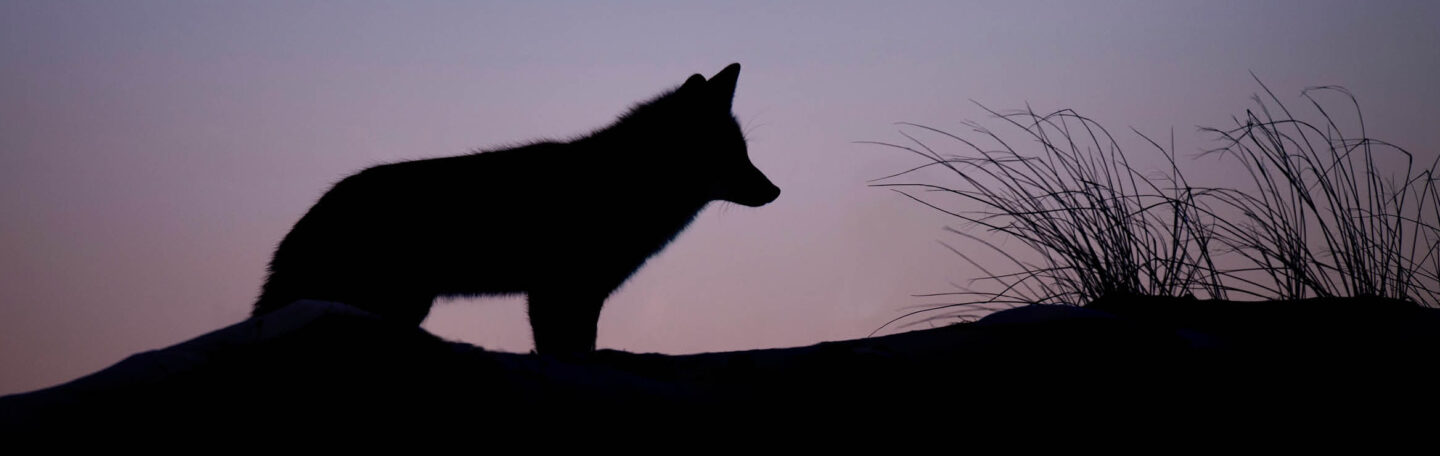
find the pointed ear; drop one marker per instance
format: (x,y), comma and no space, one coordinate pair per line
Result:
(695,82)
(722,85)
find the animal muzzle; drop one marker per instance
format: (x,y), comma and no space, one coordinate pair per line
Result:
(752,189)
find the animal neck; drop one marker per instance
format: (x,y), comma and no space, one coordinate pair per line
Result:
(641,166)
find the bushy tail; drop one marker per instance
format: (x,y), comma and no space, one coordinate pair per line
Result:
(264,306)
(271,297)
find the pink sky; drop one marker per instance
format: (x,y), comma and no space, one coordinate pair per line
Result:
(153,153)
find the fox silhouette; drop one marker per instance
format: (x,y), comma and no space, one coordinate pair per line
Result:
(565,223)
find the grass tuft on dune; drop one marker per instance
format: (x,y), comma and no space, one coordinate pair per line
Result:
(1323,217)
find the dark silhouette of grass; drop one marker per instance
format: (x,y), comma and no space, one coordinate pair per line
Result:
(1098,225)
(1323,220)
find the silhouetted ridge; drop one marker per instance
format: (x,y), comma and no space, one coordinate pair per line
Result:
(324,365)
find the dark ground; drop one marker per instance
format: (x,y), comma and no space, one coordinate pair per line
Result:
(1135,361)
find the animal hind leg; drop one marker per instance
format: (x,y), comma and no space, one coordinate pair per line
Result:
(403,308)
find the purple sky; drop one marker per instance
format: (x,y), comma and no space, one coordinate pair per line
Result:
(153,153)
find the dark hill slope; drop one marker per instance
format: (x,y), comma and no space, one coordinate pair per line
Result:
(327,365)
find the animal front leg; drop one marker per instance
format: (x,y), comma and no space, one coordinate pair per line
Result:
(564,324)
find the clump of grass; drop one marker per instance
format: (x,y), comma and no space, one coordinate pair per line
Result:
(1323,219)
(1097,225)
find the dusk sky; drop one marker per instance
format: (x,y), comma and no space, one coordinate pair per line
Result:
(152,154)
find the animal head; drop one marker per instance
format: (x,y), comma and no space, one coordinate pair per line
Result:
(704,139)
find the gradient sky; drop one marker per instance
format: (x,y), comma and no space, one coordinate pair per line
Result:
(153,153)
